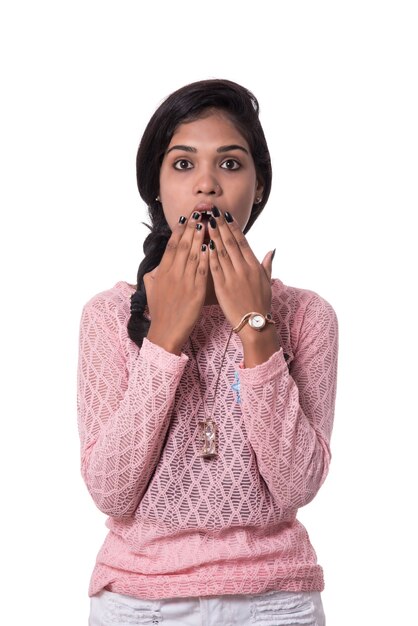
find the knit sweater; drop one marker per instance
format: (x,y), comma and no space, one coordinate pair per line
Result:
(182,525)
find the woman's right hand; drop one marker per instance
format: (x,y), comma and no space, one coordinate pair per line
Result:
(176,289)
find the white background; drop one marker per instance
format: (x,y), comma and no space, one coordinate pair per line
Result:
(337,84)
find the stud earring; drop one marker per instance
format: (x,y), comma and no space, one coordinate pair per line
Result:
(258,200)
(157,199)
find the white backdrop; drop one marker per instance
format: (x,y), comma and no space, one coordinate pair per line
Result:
(337,84)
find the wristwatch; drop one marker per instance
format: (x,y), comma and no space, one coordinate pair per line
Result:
(257,321)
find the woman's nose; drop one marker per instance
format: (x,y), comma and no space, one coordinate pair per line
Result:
(207,184)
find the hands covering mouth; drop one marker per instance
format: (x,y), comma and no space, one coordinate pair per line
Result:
(207,242)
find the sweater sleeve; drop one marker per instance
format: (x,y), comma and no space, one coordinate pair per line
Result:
(124,400)
(289,414)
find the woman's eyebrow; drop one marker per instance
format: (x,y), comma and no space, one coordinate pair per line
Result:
(232,147)
(221,149)
(181,147)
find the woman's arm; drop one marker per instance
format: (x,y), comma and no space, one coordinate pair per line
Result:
(289,416)
(125,398)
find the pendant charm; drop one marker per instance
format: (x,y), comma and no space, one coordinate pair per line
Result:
(208,434)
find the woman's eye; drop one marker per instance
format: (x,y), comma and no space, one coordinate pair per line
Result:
(231,164)
(182,164)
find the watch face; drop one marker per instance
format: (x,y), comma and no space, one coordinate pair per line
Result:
(257,322)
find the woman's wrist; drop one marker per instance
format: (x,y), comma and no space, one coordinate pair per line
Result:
(259,346)
(165,341)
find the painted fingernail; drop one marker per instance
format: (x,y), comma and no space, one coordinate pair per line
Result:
(182,219)
(228,217)
(199,226)
(216,212)
(273,253)
(212,245)
(196,215)
(204,247)
(212,222)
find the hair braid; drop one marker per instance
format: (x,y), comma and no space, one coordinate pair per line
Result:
(154,247)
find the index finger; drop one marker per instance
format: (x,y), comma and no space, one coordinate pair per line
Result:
(172,243)
(234,240)
(180,241)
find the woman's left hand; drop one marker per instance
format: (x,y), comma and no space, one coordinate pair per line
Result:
(242,284)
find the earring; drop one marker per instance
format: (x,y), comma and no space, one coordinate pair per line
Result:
(258,200)
(157,199)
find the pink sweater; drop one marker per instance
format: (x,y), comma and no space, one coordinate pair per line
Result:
(182,525)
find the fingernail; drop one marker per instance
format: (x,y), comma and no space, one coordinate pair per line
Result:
(273,253)
(199,226)
(204,247)
(228,217)
(212,222)
(196,215)
(216,212)
(212,245)
(182,219)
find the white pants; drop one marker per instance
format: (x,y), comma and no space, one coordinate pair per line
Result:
(274,608)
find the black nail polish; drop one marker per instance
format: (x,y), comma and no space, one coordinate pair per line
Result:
(228,217)
(212,222)
(274,252)
(199,226)
(182,219)
(216,212)
(196,215)
(204,247)
(212,245)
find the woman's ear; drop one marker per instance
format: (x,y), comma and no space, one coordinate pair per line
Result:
(258,195)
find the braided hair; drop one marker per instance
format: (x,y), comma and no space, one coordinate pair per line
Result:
(187,104)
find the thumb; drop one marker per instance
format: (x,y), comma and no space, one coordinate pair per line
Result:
(149,278)
(151,275)
(267,263)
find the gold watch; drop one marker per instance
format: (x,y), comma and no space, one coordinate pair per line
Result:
(257,321)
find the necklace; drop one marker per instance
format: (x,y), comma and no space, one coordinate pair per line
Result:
(207,428)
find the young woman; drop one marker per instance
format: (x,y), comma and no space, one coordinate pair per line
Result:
(206,392)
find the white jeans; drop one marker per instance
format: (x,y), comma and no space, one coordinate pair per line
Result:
(274,608)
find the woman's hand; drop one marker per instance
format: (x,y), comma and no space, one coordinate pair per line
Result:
(176,289)
(242,285)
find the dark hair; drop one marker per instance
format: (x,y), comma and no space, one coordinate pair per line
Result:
(184,105)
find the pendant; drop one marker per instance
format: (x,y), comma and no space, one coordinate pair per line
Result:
(208,434)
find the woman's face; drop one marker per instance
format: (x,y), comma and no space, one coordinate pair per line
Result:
(208,162)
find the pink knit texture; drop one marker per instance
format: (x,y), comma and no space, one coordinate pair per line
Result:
(181,525)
